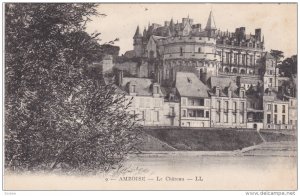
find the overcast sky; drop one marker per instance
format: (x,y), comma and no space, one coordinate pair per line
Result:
(277,21)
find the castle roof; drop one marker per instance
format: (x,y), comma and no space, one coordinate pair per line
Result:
(225,84)
(137,32)
(210,25)
(268,56)
(142,85)
(188,85)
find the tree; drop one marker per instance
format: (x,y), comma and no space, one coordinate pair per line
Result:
(289,66)
(277,54)
(55,114)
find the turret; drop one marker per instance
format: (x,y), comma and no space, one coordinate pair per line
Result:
(210,25)
(137,42)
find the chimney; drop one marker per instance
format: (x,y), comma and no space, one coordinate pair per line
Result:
(242,33)
(258,34)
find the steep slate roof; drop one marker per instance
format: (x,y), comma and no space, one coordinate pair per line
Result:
(188,85)
(210,25)
(268,56)
(223,82)
(129,54)
(143,85)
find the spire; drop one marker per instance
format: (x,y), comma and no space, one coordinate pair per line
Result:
(210,25)
(145,32)
(137,32)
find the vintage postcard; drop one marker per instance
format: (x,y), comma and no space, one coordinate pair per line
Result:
(141,96)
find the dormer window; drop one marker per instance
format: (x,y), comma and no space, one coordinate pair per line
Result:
(242,94)
(218,92)
(155,90)
(133,88)
(229,93)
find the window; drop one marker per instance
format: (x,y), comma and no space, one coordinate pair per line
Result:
(156,116)
(269,107)
(201,102)
(183,113)
(234,107)
(251,60)
(206,102)
(242,118)
(234,118)
(225,117)
(207,114)
(219,105)
(235,58)
(226,106)
(270,80)
(291,102)
(218,92)
(275,108)
(283,119)
(275,118)
(268,118)
(218,117)
(156,90)
(199,50)
(143,115)
(133,88)
(181,51)
(243,59)
(283,109)
(242,94)
(227,57)
(242,107)
(172,111)
(199,113)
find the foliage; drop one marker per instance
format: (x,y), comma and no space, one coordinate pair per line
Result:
(54,113)
(289,66)
(277,54)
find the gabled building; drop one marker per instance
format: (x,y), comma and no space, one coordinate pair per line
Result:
(228,103)
(194,100)
(151,104)
(276,111)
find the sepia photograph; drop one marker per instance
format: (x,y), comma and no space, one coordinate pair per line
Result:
(150,96)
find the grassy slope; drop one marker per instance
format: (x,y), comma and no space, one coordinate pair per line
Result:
(214,140)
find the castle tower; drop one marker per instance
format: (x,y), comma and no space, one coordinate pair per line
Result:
(138,42)
(211,25)
(271,73)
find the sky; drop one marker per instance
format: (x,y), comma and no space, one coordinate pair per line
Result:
(277,21)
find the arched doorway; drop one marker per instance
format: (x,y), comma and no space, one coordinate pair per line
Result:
(243,71)
(234,70)
(226,70)
(255,126)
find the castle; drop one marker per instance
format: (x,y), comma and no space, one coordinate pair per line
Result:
(181,74)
